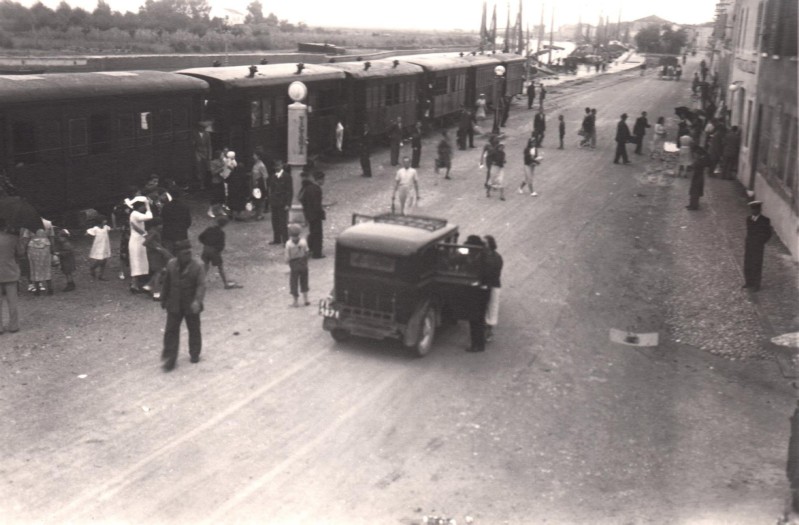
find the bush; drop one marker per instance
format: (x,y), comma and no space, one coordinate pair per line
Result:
(5,41)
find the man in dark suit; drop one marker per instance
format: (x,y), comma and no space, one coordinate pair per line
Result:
(310,196)
(530,95)
(466,128)
(176,218)
(622,138)
(416,145)
(365,148)
(182,298)
(395,140)
(202,155)
(639,130)
(758,232)
(539,127)
(281,192)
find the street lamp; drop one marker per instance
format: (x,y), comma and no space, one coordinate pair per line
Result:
(297,143)
(499,73)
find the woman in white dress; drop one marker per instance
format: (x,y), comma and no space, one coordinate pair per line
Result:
(658,139)
(480,113)
(139,268)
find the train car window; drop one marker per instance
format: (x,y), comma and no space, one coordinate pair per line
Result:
(392,95)
(125,130)
(78,137)
(163,125)
(440,86)
(266,111)
(100,136)
(180,123)
(280,110)
(371,96)
(144,128)
(255,113)
(3,152)
(23,142)
(328,99)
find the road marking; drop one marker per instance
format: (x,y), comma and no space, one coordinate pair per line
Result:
(242,494)
(111,487)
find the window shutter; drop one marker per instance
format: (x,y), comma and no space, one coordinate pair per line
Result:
(788,36)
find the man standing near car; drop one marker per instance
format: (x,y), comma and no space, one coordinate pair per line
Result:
(416,145)
(281,192)
(310,196)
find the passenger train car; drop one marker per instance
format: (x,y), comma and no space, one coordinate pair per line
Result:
(77,140)
(70,141)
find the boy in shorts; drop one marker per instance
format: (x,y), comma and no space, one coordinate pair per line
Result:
(213,241)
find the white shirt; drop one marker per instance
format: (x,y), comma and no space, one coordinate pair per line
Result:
(406,176)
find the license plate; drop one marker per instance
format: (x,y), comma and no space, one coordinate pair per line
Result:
(328,310)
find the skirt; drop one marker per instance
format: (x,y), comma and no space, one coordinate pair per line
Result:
(67,262)
(41,263)
(497,178)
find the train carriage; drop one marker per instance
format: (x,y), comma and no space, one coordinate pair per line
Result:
(376,93)
(480,77)
(514,72)
(248,108)
(444,87)
(77,140)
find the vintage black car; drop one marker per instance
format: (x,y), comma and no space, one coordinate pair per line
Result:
(401,276)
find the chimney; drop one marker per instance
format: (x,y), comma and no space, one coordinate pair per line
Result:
(396,63)
(366,66)
(253,71)
(300,67)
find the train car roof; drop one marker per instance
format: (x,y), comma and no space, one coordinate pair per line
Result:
(377,68)
(267,75)
(391,238)
(478,59)
(509,57)
(72,86)
(436,62)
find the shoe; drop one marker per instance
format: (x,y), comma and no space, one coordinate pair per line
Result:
(615,162)
(320,256)
(534,194)
(210,213)
(307,303)
(147,288)
(628,162)
(121,276)
(521,191)
(31,288)
(134,289)
(168,366)
(157,296)
(195,359)
(475,349)
(502,198)
(231,285)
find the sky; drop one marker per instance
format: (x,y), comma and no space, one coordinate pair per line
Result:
(443,14)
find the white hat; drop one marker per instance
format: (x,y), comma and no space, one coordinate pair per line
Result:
(231,154)
(132,202)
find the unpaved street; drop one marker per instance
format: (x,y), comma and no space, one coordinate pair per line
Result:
(552,424)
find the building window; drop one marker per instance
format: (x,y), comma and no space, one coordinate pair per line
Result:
(163,125)
(144,129)
(266,111)
(255,113)
(180,124)
(792,166)
(440,86)
(23,141)
(392,94)
(78,137)
(100,133)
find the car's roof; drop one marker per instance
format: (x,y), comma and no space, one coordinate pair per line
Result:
(377,68)
(72,86)
(267,75)
(394,239)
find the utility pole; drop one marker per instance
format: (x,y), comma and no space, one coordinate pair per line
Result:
(540,31)
(551,35)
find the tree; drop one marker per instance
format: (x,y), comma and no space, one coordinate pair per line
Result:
(102,18)
(272,20)
(255,13)
(648,39)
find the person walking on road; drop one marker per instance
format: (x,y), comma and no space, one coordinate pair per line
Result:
(639,130)
(497,181)
(697,188)
(758,232)
(182,298)
(444,160)
(622,138)
(493,272)
(584,132)
(561,130)
(310,197)
(530,162)
(416,145)
(281,193)
(592,127)
(530,95)
(539,127)
(395,141)
(9,277)
(365,151)
(686,155)
(487,157)
(405,179)
(541,96)
(213,241)
(466,128)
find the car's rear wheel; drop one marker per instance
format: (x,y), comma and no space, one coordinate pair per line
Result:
(427,332)
(340,335)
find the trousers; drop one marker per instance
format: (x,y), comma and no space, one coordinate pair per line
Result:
(315,237)
(621,152)
(8,295)
(280,226)
(172,335)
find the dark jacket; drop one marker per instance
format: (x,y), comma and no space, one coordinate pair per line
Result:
(622,132)
(395,134)
(181,289)
(281,189)
(466,119)
(639,128)
(493,269)
(310,197)
(758,232)
(528,157)
(732,144)
(176,218)
(416,139)
(214,237)
(539,122)
(589,123)
(498,158)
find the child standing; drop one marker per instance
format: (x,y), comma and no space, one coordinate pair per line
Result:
(66,257)
(297,258)
(101,248)
(40,260)
(213,241)
(561,130)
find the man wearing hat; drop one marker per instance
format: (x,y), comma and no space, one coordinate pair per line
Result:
(310,196)
(281,192)
(182,298)
(622,138)
(758,232)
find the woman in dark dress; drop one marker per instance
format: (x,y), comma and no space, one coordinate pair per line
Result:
(238,193)
(697,188)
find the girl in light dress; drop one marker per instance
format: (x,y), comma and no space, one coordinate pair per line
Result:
(101,248)
(40,260)
(658,139)
(481,103)
(139,268)
(686,158)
